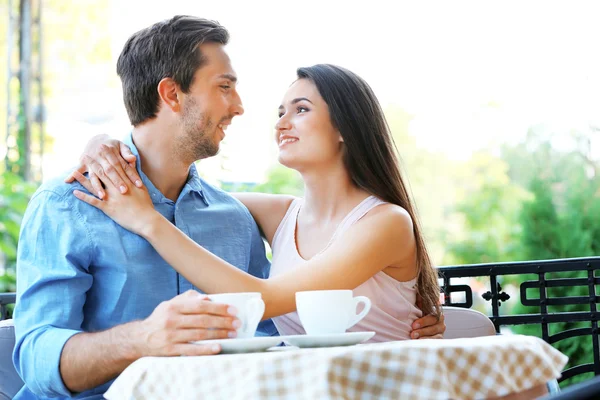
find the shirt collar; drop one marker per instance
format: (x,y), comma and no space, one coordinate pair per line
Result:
(193,183)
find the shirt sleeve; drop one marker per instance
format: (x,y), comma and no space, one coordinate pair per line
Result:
(54,254)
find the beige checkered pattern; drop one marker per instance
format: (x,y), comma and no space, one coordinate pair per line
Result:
(422,369)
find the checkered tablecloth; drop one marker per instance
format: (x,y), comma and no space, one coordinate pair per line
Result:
(419,369)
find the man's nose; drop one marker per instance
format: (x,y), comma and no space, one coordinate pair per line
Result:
(236,106)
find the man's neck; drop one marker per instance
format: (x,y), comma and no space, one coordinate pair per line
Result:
(158,160)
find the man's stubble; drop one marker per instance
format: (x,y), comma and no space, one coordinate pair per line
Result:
(197,141)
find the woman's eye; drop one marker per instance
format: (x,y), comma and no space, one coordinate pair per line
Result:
(302,109)
(280,115)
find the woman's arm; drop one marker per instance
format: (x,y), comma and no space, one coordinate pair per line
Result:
(267,210)
(382,238)
(371,245)
(113,162)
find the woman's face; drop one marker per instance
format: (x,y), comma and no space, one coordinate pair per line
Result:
(304,132)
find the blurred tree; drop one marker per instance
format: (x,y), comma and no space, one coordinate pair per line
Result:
(76,36)
(14,196)
(282,180)
(535,201)
(432,183)
(549,232)
(490,213)
(560,221)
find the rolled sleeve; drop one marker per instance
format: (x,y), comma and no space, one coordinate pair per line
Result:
(52,281)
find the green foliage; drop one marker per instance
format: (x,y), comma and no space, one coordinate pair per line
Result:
(281,180)
(433,181)
(76,42)
(533,203)
(549,232)
(14,197)
(490,213)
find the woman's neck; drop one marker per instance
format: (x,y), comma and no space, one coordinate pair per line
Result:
(329,195)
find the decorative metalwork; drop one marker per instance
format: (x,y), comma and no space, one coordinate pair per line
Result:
(546,281)
(500,297)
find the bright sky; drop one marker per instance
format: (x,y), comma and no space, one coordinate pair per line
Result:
(471,73)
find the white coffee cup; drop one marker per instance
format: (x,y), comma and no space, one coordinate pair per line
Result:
(250,307)
(324,312)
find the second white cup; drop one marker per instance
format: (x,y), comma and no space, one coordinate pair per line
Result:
(324,312)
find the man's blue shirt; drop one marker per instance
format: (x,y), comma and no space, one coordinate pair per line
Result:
(78,271)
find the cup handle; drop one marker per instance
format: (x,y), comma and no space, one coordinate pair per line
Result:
(357,300)
(255,309)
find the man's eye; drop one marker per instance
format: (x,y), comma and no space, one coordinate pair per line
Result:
(225,86)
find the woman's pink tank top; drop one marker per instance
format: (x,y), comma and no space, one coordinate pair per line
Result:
(393,308)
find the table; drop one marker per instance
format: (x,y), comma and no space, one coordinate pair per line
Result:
(486,367)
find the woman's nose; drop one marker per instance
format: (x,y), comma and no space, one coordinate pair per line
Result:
(282,124)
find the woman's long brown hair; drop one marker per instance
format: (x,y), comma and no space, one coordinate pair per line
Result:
(370,157)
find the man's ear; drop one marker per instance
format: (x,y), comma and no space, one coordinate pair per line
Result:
(168,91)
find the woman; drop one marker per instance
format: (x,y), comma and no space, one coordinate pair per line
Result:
(354,229)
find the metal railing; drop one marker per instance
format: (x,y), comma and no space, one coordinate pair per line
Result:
(6,299)
(547,280)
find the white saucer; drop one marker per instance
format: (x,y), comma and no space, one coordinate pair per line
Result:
(339,339)
(247,345)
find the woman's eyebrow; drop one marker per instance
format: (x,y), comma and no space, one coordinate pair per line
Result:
(298,99)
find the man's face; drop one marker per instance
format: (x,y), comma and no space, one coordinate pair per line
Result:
(209,106)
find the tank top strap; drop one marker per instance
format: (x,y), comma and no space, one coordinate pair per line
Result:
(358,212)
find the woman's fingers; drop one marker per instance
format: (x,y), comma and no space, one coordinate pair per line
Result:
(81,169)
(85,182)
(97,185)
(91,200)
(92,185)
(128,163)
(113,166)
(131,173)
(113,170)
(126,152)
(105,172)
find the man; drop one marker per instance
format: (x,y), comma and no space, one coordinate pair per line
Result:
(93,297)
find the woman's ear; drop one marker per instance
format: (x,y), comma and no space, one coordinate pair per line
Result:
(168,93)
